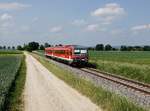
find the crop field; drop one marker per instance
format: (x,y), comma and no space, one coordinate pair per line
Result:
(10,52)
(9,65)
(134,65)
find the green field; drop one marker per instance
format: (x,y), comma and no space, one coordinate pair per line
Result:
(9,66)
(134,65)
(10,52)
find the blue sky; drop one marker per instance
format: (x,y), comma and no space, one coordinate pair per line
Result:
(83,22)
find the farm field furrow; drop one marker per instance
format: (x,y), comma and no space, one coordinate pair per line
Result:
(9,65)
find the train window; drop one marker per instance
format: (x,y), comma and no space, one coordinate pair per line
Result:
(83,51)
(76,51)
(80,51)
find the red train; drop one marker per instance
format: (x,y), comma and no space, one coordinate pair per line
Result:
(68,53)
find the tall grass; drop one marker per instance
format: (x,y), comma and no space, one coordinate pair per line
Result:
(106,100)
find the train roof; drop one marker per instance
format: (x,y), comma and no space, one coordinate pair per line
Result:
(79,47)
(69,46)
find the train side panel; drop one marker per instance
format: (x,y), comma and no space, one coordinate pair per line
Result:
(67,54)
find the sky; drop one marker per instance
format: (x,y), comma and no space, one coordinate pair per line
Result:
(82,22)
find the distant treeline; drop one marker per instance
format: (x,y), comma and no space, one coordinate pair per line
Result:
(29,47)
(8,48)
(108,47)
(99,47)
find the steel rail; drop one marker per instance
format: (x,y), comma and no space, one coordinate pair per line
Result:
(138,86)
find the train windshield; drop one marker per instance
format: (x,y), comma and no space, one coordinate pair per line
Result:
(80,51)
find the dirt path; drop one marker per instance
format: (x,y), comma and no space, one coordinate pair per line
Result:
(45,92)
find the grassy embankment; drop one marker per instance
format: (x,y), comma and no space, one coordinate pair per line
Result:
(106,100)
(12,75)
(133,65)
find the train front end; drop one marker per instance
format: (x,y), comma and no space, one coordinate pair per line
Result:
(80,55)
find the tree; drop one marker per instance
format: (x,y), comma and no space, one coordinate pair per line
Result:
(91,48)
(42,47)
(19,47)
(146,48)
(108,47)
(8,47)
(138,48)
(33,46)
(114,49)
(28,48)
(130,48)
(99,47)
(13,47)
(4,47)
(1,47)
(47,45)
(123,48)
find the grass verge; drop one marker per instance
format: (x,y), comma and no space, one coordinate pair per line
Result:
(106,100)
(14,101)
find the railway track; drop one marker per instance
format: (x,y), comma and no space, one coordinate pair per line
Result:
(135,85)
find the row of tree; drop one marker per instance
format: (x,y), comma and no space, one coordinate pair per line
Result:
(99,47)
(135,48)
(108,47)
(102,47)
(8,48)
(33,46)
(29,47)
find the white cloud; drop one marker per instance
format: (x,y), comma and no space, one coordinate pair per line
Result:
(6,16)
(13,6)
(109,9)
(6,21)
(79,22)
(56,29)
(109,12)
(141,27)
(94,28)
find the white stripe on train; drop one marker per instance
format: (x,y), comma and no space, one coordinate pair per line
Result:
(71,60)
